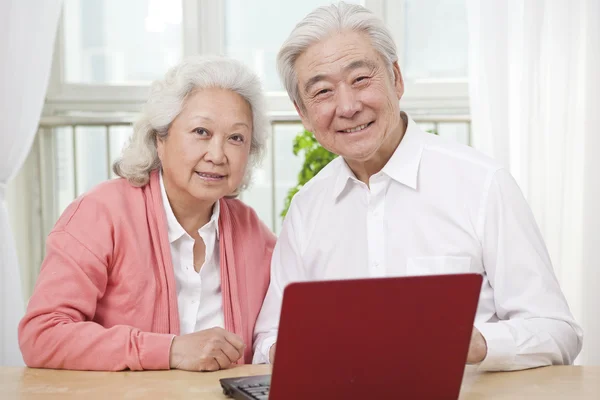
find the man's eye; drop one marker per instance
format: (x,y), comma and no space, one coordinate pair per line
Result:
(361,78)
(322,91)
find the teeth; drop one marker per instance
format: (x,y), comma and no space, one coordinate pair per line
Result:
(356,129)
(209,175)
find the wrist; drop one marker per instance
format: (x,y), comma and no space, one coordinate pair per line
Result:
(174,356)
(272,353)
(480,349)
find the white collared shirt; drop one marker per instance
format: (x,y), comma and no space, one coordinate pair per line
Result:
(199,298)
(437,207)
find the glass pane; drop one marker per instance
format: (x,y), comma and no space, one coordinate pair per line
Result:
(121,42)
(280,166)
(260,194)
(436,41)
(65,168)
(119,135)
(427,126)
(287,166)
(254,31)
(90,157)
(458,131)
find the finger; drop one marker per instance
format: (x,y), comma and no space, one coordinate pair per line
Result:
(231,352)
(221,358)
(211,364)
(235,341)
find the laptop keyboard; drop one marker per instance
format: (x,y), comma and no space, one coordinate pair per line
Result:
(258,391)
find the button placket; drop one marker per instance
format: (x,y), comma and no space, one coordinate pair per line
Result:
(375,226)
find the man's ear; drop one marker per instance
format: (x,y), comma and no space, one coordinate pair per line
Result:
(305,121)
(398,81)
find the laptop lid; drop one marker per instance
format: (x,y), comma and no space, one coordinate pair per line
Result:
(375,338)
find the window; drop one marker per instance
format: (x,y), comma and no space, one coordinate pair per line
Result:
(276,177)
(84,156)
(113,42)
(435,41)
(431,36)
(255,30)
(109,51)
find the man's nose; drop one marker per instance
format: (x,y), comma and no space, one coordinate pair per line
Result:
(348,103)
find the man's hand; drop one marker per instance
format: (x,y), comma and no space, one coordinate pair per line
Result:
(477,348)
(207,350)
(272,353)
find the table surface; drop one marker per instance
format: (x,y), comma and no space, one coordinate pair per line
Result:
(560,382)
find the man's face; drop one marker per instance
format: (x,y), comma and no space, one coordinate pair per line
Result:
(349,100)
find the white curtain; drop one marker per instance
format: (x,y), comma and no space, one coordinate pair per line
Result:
(27,32)
(535,103)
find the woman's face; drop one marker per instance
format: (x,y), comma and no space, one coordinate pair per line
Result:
(205,153)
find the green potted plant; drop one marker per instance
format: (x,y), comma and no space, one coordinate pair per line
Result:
(315,158)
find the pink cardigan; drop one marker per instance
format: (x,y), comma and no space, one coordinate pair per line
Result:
(106,297)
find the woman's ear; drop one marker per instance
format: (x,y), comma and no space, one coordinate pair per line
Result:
(160,147)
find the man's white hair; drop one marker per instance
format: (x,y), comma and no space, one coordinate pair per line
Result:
(167,96)
(324,22)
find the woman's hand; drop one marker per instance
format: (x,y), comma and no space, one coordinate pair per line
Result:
(272,353)
(207,350)
(477,347)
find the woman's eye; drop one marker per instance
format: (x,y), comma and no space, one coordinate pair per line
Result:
(238,138)
(322,91)
(201,131)
(360,79)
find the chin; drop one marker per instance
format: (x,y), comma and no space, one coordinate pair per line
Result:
(358,155)
(208,194)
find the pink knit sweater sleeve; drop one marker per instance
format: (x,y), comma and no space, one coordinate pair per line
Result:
(58,331)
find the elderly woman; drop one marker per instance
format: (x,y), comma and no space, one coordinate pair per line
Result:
(162,268)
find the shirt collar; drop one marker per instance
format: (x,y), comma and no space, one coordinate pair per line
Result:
(174,227)
(402,167)
(344,175)
(214,218)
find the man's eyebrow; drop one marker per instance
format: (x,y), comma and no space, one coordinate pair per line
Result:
(360,64)
(353,65)
(309,83)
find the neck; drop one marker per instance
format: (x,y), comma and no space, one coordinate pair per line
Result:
(363,170)
(191,213)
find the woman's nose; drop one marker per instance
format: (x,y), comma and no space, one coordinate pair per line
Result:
(215,153)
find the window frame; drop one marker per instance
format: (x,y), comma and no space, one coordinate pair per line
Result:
(203,32)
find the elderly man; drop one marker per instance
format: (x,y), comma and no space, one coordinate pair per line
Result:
(403,202)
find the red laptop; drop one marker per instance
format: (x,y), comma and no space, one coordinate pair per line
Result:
(369,339)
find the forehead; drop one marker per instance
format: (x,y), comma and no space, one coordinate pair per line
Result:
(217,100)
(331,55)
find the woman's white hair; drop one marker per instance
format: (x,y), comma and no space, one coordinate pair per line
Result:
(323,22)
(167,96)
